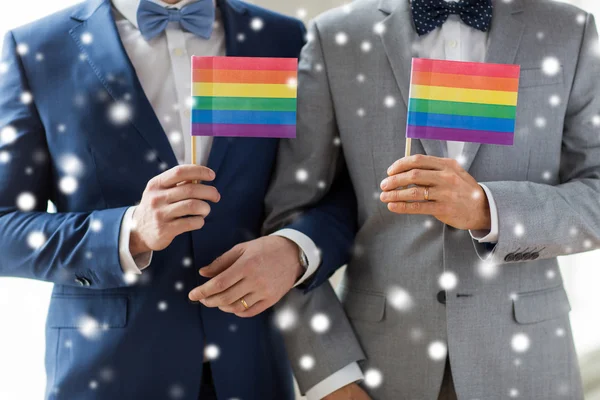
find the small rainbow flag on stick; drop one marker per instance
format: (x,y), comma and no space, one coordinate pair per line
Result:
(463,101)
(244,97)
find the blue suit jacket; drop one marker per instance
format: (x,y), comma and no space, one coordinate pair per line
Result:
(100,328)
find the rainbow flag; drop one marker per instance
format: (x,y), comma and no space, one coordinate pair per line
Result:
(244,97)
(463,101)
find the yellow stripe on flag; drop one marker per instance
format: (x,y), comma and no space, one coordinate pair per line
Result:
(464,95)
(245,90)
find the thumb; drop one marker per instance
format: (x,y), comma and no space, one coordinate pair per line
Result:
(222,263)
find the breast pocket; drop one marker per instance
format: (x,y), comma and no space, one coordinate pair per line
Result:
(534,77)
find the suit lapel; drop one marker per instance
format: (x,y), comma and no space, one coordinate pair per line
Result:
(398,40)
(109,61)
(234,21)
(504,40)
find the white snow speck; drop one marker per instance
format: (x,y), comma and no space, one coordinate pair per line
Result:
(179,286)
(4,157)
(131,278)
(307,362)
(68,185)
(93,385)
(36,240)
(8,134)
(437,351)
(554,100)
(301,175)
(373,378)
(3,67)
(162,306)
(560,332)
(341,38)
(119,113)
(361,112)
(26,98)
(551,66)
(400,299)
(389,101)
(96,225)
(285,319)
(379,28)
(88,327)
(211,352)
(366,46)
(301,13)
(448,280)
(540,122)
(22,49)
(519,230)
(257,24)
(241,37)
(320,323)
(187,262)
(87,38)
(520,343)
(514,393)
(26,201)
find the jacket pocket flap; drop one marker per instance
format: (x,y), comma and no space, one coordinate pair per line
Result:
(541,306)
(87,311)
(362,305)
(531,77)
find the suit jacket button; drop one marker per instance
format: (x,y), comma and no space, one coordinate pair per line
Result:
(441,297)
(535,256)
(80,281)
(526,256)
(518,257)
(510,257)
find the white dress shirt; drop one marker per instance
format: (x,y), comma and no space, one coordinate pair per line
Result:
(163,67)
(454,41)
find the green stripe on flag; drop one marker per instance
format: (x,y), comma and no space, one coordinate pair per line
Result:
(463,109)
(244,104)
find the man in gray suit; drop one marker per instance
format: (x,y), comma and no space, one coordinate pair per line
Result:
(453,290)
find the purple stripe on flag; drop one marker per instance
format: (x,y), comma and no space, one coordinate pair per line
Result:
(460,135)
(242,130)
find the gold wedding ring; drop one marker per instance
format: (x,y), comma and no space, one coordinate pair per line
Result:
(426,194)
(244,303)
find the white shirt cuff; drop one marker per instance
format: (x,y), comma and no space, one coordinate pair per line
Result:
(310,249)
(492,235)
(345,376)
(130,264)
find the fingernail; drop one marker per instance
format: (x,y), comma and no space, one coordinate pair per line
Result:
(389,170)
(384,184)
(212,174)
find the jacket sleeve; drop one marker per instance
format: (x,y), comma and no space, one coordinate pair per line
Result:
(79,249)
(545,221)
(311,190)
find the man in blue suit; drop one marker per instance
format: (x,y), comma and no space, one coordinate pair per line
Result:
(95,117)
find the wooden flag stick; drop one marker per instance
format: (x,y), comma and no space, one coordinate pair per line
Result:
(407,149)
(194,161)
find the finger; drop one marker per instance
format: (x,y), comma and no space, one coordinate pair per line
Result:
(237,306)
(229,296)
(191,191)
(416,193)
(416,208)
(222,262)
(218,284)
(185,208)
(183,173)
(417,161)
(254,310)
(190,224)
(418,177)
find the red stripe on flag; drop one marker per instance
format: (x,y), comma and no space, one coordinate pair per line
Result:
(466,68)
(245,63)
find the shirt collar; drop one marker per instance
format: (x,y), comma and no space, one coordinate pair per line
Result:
(128,8)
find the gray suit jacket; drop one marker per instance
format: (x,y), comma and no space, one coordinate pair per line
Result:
(506,323)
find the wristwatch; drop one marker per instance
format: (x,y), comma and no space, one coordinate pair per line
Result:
(303,258)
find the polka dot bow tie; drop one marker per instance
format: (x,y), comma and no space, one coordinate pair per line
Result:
(431,14)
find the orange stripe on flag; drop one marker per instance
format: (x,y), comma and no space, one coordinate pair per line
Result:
(466,68)
(245,76)
(465,81)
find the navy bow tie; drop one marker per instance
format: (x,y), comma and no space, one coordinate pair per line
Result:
(431,14)
(197,18)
